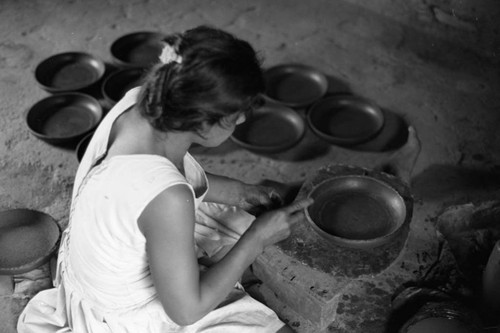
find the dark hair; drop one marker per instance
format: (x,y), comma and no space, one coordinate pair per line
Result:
(218,76)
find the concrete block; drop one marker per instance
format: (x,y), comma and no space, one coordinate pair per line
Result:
(288,315)
(312,294)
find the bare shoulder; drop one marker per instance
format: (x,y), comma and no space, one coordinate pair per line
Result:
(169,209)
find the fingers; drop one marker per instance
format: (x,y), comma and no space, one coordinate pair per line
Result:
(298,206)
(276,199)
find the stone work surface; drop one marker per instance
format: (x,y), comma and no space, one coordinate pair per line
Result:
(313,276)
(405,58)
(307,246)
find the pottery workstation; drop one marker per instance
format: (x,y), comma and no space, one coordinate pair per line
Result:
(355,250)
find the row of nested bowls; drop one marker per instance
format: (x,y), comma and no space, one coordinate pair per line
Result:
(83,87)
(298,96)
(77,80)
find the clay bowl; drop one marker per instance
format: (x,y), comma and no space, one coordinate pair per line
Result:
(345,120)
(118,83)
(356,211)
(295,85)
(272,128)
(138,49)
(64,118)
(70,71)
(82,145)
(28,239)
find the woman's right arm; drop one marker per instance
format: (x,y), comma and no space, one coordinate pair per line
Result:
(168,225)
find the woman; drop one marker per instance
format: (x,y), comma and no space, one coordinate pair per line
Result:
(144,211)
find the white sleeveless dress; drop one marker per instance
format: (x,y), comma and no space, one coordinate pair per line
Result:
(103,283)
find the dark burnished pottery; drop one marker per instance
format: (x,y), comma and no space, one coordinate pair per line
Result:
(70,71)
(295,85)
(271,128)
(118,83)
(356,211)
(345,120)
(64,118)
(138,49)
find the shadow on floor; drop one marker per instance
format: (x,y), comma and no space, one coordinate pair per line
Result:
(451,182)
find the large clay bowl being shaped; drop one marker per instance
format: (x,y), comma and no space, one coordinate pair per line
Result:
(69,71)
(64,118)
(356,211)
(345,120)
(271,128)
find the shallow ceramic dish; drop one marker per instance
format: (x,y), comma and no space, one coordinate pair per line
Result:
(270,129)
(356,211)
(295,85)
(345,120)
(64,118)
(138,49)
(70,71)
(81,147)
(118,83)
(28,239)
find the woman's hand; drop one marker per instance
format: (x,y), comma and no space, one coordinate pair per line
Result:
(257,199)
(274,226)
(234,192)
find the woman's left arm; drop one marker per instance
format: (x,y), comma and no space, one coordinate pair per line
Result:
(233,192)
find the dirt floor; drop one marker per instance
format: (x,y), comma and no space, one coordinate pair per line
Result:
(449,94)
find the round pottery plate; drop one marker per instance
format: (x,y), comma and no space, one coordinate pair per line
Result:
(345,120)
(270,129)
(118,83)
(295,85)
(27,240)
(138,49)
(70,71)
(81,147)
(356,211)
(64,118)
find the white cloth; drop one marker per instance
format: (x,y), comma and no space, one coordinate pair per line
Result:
(103,282)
